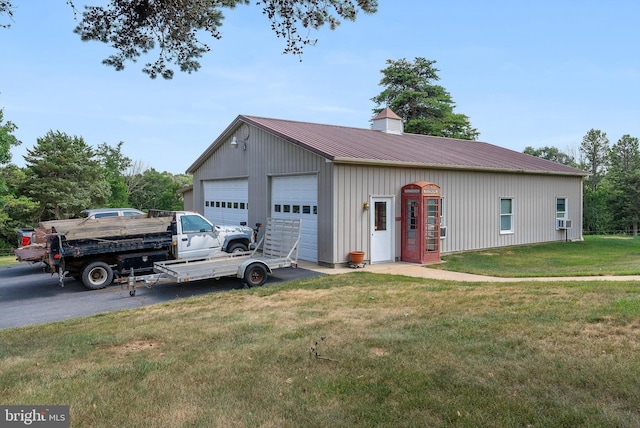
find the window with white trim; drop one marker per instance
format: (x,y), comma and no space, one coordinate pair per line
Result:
(506,215)
(561,208)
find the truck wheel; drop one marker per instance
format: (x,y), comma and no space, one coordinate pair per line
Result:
(97,275)
(255,275)
(237,247)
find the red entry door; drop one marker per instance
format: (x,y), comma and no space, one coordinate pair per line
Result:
(412,233)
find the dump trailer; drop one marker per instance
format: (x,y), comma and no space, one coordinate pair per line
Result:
(100,251)
(278,248)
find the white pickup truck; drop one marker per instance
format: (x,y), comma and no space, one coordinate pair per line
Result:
(100,251)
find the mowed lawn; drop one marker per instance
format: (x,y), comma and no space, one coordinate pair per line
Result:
(595,256)
(7,260)
(358,349)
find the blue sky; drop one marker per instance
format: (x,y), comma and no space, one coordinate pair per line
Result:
(526,73)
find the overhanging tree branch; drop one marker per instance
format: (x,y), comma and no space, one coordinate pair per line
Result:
(137,27)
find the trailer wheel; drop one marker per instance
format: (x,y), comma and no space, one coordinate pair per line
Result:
(255,275)
(97,275)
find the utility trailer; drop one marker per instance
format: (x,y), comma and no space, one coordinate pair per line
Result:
(99,251)
(278,248)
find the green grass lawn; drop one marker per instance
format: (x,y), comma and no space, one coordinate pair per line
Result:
(341,351)
(596,255)
(7,260)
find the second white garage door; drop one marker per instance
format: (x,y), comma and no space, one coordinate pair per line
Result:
(297,197)
(226,201)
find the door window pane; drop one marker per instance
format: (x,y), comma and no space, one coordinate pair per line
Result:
(380,216)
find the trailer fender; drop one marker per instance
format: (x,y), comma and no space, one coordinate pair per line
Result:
(254,272)
(243,267)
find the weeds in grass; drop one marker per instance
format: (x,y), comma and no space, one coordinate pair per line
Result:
(315,352)
(403,352)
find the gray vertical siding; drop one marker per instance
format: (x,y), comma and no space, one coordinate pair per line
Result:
(471,198)
(267,156)
(471,204)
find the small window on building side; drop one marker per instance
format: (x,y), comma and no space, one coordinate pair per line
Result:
(306,209)
(506,215)
(296,209)
(561,208)
(277,208)
(287,209)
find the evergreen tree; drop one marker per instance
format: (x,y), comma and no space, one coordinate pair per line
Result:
(64,176)
(595,151)
(425,108)
(174,28)
(624,175)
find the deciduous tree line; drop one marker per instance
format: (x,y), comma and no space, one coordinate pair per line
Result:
(611,199)
(64,175)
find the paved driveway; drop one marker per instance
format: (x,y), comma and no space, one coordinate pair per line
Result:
(29,296)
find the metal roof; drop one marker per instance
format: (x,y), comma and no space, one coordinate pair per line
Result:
(343,144)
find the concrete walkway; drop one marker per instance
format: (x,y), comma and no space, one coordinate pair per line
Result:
(420,271)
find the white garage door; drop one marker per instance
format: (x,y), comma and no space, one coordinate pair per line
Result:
(226,201)
(297,197)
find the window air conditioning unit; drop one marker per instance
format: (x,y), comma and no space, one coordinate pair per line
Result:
(563,224)
(443,231)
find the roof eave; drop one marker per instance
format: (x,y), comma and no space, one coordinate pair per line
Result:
(353,161)
(286,137)
(214,145)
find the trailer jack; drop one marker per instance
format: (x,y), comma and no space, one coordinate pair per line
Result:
(131,283)
(132,280)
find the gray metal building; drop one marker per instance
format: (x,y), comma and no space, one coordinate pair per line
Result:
(345,184)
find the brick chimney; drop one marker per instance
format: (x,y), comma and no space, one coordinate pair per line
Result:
(387,121)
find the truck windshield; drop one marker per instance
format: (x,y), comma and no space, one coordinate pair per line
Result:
(193,224)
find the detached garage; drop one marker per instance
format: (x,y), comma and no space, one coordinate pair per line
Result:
(353,189)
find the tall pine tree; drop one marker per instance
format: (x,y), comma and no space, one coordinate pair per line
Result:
(426,108)
(64,176)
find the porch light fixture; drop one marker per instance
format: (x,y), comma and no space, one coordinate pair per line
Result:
(234,142)
(365,206)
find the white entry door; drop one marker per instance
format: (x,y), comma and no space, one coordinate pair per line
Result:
(382,229)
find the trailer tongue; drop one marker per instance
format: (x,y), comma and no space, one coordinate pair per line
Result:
(278,248)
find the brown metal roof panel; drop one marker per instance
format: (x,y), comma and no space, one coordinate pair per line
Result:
(332,141)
